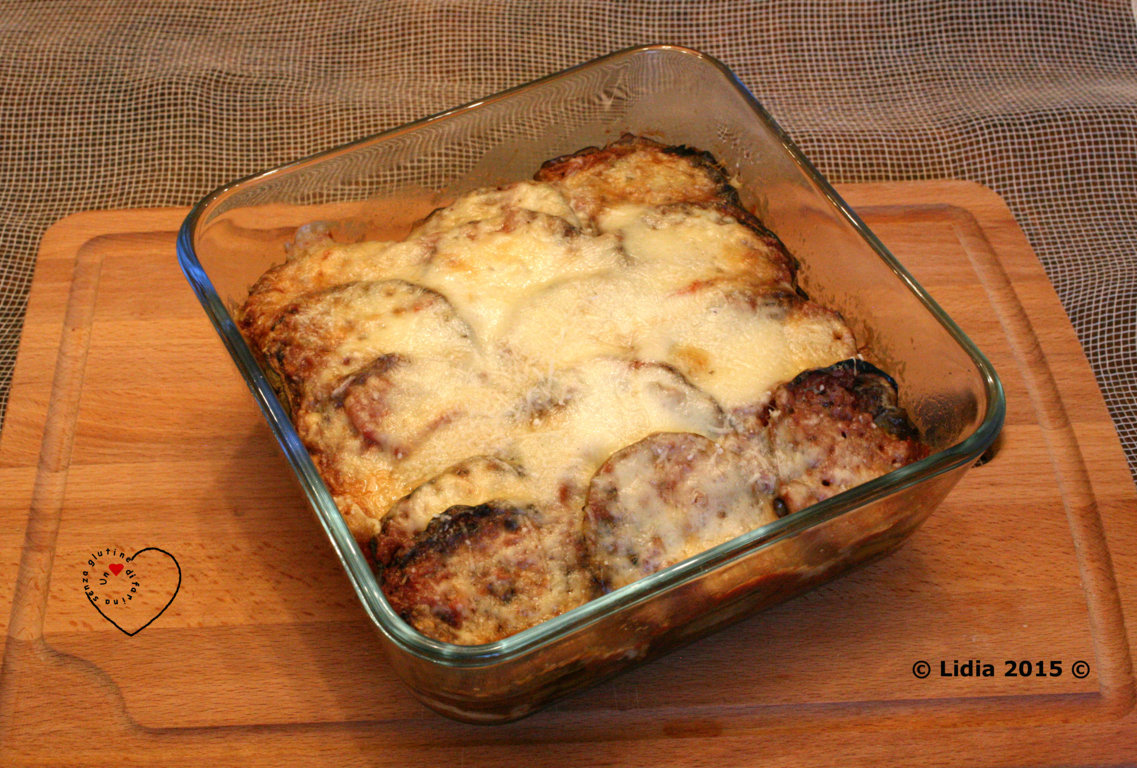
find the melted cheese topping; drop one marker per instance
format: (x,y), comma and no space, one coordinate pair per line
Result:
(558,387)
(570,422)
(507,326)
(547,388)
(483,204)
(701,292)
(669,497)
(487,267)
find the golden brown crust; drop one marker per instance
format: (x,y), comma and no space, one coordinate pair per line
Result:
(319,265)
(467,483)
(481,573)
(634,169)
(322,338)
(637,170)
(835,428)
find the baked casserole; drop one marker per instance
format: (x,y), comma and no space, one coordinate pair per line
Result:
(553,388)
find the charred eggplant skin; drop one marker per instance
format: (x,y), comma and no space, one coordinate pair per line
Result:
(875,390)
(834,428)
(485,571)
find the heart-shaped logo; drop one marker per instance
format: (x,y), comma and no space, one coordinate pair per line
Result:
(146,584)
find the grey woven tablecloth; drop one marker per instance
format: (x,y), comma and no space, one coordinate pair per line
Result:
(130,104)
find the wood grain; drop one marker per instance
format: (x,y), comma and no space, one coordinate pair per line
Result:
(128,427)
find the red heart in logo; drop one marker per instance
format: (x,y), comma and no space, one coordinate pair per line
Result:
(144,592)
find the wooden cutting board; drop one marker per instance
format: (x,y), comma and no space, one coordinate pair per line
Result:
(128,428)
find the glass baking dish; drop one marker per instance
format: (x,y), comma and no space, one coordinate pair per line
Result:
(377,186)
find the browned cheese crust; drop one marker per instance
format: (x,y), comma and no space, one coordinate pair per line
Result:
(465,484)
(836,428)
(486,572)
(637,170)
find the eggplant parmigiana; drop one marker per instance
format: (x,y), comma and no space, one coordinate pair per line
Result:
(553,388)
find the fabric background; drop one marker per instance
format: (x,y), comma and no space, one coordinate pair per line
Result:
(131,104)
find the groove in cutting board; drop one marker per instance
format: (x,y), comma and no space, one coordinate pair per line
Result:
(1115,667)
